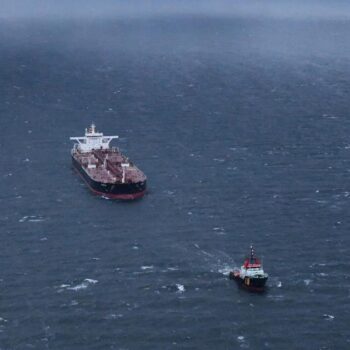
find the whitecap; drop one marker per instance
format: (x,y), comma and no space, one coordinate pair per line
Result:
(180,288)
(89,280)
(279,284)
(83,285)
(114,316)
(80,286)
(168,192)
(31,218)
(328,317)
(220,233)
(225,270)
(61,288)
(172,268)
(276,297)
(321,201)
(206,253)
(219,230)
(36,220)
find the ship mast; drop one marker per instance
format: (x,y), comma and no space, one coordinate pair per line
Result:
(251,252)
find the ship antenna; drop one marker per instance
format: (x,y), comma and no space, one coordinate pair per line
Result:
(251,252)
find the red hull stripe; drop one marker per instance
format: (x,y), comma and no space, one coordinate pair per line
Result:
(119,196)
(112,196)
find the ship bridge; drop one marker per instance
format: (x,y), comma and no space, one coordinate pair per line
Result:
(92,140)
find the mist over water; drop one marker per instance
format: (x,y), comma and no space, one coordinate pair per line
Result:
(83,9)
(238,112)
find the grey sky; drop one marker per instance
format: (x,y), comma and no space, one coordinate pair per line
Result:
(50,9)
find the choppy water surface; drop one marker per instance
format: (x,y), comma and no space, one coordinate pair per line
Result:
(242,127)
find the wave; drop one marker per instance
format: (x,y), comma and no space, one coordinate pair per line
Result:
(180,288)
(83,285)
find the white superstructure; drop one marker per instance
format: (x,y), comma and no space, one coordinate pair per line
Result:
(252,272)
(252,267)
(92,140)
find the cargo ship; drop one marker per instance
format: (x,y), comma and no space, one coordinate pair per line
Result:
(105,170)
(251,275)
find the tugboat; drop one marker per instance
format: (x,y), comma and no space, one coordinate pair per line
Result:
(251,274)
(106,171)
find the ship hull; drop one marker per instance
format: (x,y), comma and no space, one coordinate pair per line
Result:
(127,191)
(252,284)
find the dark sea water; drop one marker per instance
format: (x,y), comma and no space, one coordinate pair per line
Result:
(242,126)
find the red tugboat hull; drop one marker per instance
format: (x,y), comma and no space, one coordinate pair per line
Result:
(251,284)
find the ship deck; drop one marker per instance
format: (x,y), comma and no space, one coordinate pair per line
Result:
(105,166)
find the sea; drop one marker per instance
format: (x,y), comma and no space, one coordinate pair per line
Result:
(242,126)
